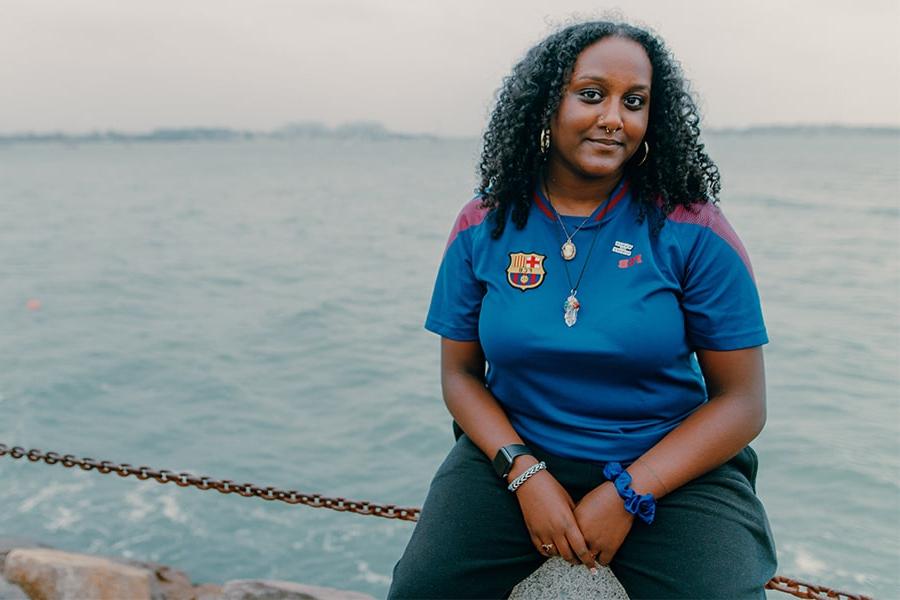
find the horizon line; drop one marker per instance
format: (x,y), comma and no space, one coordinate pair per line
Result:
(371,127)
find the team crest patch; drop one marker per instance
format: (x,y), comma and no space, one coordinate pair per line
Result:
(525,270)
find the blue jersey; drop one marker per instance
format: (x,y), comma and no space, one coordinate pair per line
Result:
(625,374)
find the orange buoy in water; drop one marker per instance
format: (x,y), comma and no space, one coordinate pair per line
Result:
(33,304)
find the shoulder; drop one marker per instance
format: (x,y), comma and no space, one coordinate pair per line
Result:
(705,214)
(705,219)
(473,212)
(472,215)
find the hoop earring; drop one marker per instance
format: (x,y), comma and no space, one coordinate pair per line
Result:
(545,140)
(646,153)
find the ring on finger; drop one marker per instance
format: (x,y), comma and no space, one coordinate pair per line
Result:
(548,548)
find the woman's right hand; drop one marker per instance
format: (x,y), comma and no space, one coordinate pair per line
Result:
(549,517)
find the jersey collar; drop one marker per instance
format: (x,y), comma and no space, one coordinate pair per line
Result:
(601,214)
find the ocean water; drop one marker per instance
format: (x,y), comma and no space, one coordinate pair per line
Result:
(253,310)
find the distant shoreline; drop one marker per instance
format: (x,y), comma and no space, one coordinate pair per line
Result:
(356,131)
(368,131)
(807,129)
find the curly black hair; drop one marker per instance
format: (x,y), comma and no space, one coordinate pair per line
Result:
(677,171)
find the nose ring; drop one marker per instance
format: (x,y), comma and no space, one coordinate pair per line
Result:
(606,127)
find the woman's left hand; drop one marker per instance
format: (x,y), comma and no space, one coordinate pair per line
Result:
(603,521)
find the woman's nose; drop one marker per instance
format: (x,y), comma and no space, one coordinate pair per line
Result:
(611,119)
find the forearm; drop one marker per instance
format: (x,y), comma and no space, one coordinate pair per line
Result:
(480,415)
(712,435)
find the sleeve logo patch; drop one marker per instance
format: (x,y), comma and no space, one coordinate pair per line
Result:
(525,270)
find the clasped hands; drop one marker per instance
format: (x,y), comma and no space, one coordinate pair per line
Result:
(589,532)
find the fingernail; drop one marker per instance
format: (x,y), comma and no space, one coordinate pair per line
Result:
(594,571)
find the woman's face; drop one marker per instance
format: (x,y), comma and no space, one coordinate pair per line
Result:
(604,110)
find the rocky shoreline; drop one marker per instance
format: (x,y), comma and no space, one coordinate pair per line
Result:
(30,570)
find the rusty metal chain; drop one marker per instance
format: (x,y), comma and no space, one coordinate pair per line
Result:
(802,589)
(361,507)
(224,486)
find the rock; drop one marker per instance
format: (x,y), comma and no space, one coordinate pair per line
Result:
(8,544)
(47,574)
(256,589)
(207,591)
(174,584)
(558,579)
(10,591)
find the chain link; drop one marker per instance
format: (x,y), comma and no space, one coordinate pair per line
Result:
(223,486)
(802,589)
(360,507)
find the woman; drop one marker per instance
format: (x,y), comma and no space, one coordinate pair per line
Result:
(616,313)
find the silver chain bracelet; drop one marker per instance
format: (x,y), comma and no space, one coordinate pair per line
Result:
(525,475)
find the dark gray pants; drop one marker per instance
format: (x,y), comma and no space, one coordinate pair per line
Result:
(710,538)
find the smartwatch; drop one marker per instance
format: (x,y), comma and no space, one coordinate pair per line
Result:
(506,455)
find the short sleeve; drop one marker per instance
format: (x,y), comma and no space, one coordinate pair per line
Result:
(456,300)
(720,300)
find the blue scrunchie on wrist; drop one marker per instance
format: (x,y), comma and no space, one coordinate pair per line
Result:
(642,506)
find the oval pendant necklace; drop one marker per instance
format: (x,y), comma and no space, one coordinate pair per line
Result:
(568,249)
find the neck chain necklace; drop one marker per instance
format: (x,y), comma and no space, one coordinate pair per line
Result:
(568,248)
(572,305)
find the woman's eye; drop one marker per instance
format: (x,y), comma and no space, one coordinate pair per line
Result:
(592,95)
(634,102)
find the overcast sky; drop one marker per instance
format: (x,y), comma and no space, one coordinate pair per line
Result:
(417,65)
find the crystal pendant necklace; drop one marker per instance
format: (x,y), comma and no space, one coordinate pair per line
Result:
(572,305)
